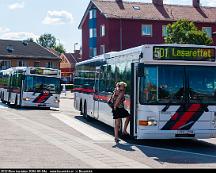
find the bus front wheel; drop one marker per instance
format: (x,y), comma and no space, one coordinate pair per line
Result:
(85,113)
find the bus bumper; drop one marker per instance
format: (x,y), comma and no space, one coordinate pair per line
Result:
(174,134)
(39,105)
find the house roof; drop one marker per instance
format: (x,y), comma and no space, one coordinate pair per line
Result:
(73,58)
(150,11)
(24,49)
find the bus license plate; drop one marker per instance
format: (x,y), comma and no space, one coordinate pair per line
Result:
(184,132)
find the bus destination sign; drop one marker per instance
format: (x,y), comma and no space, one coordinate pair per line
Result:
(183,53)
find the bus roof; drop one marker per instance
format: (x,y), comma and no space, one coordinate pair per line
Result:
(35,71)
(145,53)
(97,59)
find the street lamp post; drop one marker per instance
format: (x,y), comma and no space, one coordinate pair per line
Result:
(75,46)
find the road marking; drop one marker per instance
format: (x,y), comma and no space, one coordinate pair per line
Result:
(86,151)
(89,131)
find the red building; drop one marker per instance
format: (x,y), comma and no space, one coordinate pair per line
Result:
(113,25)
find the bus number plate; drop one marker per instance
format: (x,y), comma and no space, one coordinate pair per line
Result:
(42,105)
(182,132)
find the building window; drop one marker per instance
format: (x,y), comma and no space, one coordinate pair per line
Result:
(5,65)
(37,64)
(92,32)
(208,31)
(92,14)
(50,65)
(21,63)
(146,30)
(93,52)
(164,31)
(102,30)
(102,49)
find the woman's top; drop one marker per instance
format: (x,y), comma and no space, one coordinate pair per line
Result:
(119,98)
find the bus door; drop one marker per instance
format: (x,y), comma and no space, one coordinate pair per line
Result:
(96,96)
(133,99)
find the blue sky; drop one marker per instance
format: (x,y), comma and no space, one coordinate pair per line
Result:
(21,19)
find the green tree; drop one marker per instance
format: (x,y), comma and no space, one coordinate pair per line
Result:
(59,48)
(49,41)
(185,32)
(30,39)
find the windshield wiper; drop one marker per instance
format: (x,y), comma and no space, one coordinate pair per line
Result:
(180,94)
(167,106)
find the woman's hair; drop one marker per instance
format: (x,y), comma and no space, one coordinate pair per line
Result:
(122,83)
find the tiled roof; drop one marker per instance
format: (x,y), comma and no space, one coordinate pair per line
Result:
(24,49)
(73,58)
(149,11)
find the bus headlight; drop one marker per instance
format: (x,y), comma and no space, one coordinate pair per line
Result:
(26,99)
(57,100)
(151,121)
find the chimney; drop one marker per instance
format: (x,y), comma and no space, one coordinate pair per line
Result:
(157,2)
(196,3)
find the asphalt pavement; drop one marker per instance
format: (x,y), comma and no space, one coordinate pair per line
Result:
(34,138)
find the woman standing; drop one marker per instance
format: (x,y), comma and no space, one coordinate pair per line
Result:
(119,110)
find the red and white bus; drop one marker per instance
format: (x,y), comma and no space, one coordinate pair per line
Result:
(30,87)
(171,90)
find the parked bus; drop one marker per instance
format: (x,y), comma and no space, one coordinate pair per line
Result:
(30,87)
(171,90)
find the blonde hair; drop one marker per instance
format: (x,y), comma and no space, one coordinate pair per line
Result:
(122,84)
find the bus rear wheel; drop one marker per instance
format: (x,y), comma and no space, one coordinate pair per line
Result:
(85,113)
(16,103)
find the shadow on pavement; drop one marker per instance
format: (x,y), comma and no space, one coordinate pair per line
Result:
(180,151)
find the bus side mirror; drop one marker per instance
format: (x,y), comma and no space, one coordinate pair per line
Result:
(141,70)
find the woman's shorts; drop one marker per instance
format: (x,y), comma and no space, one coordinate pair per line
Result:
(120,113)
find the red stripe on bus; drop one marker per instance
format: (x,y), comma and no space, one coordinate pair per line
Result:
(106,99)
(42,98)
(187,116)
(175,116)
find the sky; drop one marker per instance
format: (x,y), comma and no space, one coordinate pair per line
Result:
(22,19)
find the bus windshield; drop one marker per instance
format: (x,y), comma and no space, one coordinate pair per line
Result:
(202,84)
(39,84)
(175,84)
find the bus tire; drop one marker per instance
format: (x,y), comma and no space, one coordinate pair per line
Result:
(3,101)
(85,112)
(81,108)
(16,103)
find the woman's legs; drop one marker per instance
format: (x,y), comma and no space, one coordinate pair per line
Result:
(126,125)
(117,127)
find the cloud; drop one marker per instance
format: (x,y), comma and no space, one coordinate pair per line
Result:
(17,5)
(58,18)
(210,3)
(18,36)
(4,29)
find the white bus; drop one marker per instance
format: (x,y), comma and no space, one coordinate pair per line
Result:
(171,90)
(30,87)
